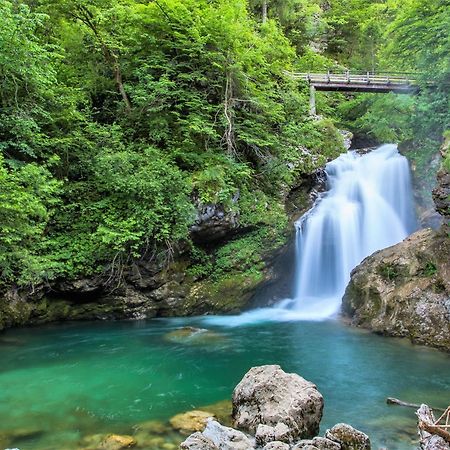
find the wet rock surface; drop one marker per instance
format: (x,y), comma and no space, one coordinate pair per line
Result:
(404,290)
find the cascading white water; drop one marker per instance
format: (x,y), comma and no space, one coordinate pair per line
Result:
(368,207)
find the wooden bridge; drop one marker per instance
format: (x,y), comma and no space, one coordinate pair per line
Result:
(383,82)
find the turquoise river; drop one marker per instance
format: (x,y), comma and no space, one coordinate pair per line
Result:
(61,383)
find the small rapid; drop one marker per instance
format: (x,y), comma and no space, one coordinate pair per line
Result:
(368,206)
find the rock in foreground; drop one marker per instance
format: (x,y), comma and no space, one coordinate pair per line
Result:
(286,404)
(217,437)
(404,290)
(278,409)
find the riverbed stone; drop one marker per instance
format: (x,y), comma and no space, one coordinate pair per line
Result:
(226,438)
(193,335)
(269,396)
(318,442)
(277,445)
(152,427)
(117,442)
(434,443)
(190,421)
(348,437)
(221,410)
(218,437)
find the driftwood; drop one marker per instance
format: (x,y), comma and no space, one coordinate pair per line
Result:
(428,426)
(396,401)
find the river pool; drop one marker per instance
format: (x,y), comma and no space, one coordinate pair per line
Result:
(60,383)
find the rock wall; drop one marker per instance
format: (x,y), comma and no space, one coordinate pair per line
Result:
(404,290)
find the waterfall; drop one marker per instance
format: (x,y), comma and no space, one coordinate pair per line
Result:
(368,207)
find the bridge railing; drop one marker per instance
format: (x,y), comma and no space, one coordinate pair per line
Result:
(357,77)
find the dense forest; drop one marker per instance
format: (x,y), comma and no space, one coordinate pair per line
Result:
(119,119)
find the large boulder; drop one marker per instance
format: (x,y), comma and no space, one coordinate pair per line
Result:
(269,396)
(348,438)
(404,290)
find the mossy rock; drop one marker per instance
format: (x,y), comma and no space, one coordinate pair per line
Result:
(191,421)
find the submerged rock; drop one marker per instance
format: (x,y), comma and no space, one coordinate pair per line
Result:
(117,442)
(404,290)
(108,442)
(347,437)
(269,396)
(193,335)
(190,421)
(152,427)
(221,411)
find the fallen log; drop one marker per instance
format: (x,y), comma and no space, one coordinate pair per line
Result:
(396,401)
(427,424)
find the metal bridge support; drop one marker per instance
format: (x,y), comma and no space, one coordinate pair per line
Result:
(312,100)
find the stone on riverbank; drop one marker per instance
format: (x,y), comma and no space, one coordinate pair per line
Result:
(269,396)
(348,437)
(217,437)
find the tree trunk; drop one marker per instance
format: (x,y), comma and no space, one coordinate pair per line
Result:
(264,11)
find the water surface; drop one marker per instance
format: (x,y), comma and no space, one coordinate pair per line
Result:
(73,380)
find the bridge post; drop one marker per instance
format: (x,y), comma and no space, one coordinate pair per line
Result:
(312,100)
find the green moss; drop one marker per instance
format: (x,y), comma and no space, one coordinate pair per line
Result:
(429,269)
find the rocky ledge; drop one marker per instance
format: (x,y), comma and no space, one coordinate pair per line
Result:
(274,410)
(404,290)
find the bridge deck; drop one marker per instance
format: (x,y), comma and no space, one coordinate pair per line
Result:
(357,82)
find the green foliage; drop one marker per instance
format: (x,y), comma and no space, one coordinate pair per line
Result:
(117,117)
(388,271)
(27,196)
(245,255)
